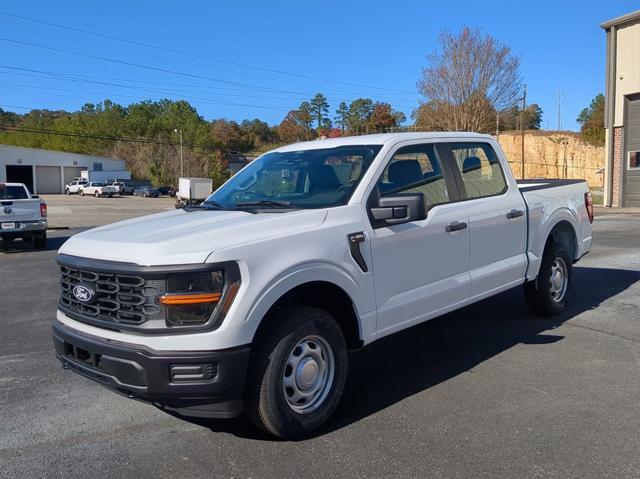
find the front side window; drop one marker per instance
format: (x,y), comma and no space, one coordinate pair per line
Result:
(480,169)
(303,179)
(415,169)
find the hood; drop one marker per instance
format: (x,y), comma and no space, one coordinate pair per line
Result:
(185,237)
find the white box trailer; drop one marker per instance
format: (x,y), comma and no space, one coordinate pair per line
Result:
(193,190)
(105,176)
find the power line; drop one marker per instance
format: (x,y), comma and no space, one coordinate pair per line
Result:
(204,57)
(233,40)
(181,92)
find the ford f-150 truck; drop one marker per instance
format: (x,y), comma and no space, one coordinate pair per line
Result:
(251,300)
(22,215)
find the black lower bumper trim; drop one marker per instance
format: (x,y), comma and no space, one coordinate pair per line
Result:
(213,386)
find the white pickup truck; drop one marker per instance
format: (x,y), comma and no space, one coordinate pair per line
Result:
(22,215)
(97,188)
(251,301)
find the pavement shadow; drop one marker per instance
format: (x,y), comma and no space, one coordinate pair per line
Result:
(401,365)
(19,246)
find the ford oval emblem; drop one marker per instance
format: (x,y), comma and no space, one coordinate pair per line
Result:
(84,294)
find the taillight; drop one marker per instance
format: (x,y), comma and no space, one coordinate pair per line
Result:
(43,210)
(588,203)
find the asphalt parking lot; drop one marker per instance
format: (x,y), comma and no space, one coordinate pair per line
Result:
(483,392)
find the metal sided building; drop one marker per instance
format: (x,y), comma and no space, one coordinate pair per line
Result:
(47,171)
(622,111)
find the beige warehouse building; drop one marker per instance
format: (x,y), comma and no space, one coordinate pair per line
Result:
(622,111)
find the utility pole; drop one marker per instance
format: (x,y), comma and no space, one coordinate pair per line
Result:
(558,104)
(524,107)
(179,132)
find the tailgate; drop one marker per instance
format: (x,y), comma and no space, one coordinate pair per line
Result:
(19,210)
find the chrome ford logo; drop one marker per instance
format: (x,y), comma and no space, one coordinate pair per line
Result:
(7,210)
(84,294)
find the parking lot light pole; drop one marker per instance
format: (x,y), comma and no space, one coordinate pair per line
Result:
(179,132)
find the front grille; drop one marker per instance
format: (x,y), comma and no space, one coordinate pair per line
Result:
(119,298)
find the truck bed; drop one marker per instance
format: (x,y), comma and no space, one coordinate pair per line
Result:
(544,183)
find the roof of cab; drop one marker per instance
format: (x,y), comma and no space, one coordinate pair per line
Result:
(380,139)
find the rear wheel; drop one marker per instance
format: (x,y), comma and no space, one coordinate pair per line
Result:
(96,194)
(40,242)
(297,373)
(547,294)
(81,192)
(67,191)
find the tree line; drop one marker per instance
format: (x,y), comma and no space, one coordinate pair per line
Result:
(471,82)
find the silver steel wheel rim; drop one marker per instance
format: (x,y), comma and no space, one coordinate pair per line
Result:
(308,374)
(559,280)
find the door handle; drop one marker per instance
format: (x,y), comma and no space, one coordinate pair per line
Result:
(455,226)
(515,214)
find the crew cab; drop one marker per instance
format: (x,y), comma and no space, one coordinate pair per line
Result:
(74,187)
(252,300)
(22,215)
(122,188)
(97,188)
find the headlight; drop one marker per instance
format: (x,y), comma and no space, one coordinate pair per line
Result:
(198,298)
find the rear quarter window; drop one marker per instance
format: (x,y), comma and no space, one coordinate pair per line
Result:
(480,168)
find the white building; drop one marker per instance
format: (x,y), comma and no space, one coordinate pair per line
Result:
(47,171)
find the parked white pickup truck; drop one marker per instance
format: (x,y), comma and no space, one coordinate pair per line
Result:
(22,215)
(96,189)
(74,187)
(252,300)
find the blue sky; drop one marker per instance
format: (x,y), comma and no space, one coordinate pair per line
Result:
(253,59)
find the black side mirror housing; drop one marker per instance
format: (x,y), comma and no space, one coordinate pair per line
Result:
(396,209)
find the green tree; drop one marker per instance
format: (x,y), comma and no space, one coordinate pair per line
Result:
(360,112)
(591,120)
(320,111)
(342,116)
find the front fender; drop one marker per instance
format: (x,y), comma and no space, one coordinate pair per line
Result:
(310,272)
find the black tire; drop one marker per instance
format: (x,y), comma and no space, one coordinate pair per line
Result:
(81,192)
(539,293)
(266,402)
(96,194)
(40,242)
(67,191)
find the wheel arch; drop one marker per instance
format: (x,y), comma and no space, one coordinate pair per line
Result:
(564,233)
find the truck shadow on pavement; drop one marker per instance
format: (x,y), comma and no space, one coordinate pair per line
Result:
(53,244)
(399,366)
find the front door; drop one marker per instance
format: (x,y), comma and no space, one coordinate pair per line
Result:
(420,268)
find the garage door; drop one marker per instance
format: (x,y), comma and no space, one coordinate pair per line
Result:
(48,180)
(71,172)
(632,127)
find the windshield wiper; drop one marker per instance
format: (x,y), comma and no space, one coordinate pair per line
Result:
(214,206)
(264,204)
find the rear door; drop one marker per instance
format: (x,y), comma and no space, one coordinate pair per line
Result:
(420,268)
(497,217)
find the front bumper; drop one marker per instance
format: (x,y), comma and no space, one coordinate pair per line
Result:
(194,383)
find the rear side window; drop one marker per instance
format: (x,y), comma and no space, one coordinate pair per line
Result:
(415,169)
(480,168)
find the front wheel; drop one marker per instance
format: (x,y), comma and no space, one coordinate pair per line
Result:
(297,373)
(96,194)
(81,192)
(547,294)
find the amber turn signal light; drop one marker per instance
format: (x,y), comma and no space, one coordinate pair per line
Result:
(177,299)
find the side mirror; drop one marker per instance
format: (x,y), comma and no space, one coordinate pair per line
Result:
(397,209)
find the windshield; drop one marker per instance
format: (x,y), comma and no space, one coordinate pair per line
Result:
(13,193)
(298,179)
